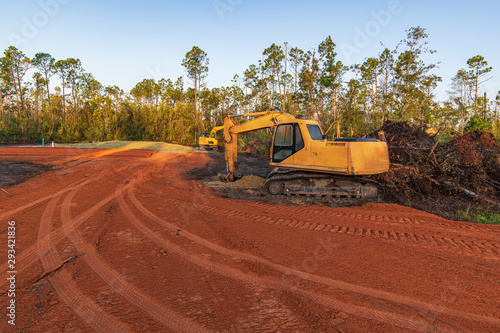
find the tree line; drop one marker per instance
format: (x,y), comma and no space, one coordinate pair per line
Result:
(63,102)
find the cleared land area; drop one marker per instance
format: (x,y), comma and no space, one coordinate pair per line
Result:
(128,240)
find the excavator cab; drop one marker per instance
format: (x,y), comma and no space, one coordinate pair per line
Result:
(301,145)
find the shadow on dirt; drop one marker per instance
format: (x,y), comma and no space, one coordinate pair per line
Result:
(17,172)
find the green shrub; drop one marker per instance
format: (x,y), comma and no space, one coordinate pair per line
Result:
(479,215)
(477,123)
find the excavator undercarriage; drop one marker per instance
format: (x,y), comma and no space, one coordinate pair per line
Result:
(328,187)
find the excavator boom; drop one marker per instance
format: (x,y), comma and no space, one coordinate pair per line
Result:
(261,120)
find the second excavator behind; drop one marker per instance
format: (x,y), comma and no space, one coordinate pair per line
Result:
(208,140)
(307,163)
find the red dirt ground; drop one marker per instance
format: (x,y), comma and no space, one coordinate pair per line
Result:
(120,241)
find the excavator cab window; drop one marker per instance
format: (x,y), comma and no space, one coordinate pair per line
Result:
(283,136)
(287,141)
(315,132)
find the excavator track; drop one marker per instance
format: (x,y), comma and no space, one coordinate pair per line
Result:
(346,190)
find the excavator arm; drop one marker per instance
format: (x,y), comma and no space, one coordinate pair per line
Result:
(215,130)
(232,129)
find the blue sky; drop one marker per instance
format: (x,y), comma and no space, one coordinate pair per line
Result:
(123,42)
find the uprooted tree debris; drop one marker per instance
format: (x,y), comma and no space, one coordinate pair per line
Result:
(444,177)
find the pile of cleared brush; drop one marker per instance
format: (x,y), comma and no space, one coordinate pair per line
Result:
(464,170)
(473,161)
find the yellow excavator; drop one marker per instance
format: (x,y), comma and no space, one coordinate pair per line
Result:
(307,163)
(208,140)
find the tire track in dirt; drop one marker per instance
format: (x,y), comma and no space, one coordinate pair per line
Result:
(86,157)
(403,220)
(35,203)
(24,208)
(420,220)
(380,218)
(29,256)
(470,245)
(38,201)
(374,314)
(118,282)
(488,249)
(302,275)
(87,310)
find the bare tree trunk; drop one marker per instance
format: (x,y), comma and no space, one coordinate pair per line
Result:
(1,106)
(279,79)
(196,92)
(246,94)
(63,103)
(170,123)
(48,90)
(475,95)
(485,106)
(284,81)
(272,100)
(313,78)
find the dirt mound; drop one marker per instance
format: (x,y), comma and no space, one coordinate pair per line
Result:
(233,189)
(250,181)
(117,144)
